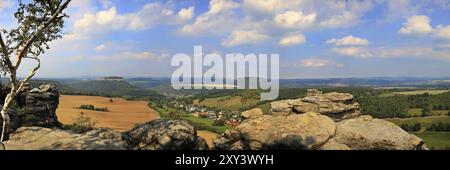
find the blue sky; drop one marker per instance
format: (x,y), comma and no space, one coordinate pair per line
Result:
(315,39)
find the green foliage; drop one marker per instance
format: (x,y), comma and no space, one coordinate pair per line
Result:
(174,115)
(439,127)
(436,140)
(219,123)
(31,17)
(415,128)
(92,107)
(82,124)
(113,89)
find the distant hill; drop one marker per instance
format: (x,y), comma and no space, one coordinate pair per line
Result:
(149,83)
(112,88)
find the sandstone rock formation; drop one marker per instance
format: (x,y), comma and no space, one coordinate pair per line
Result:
(330,121)
(35,107)
(337,106)
(38,106)
(164,135)
(310,130)
(38,138)
(366,132)
(251,114)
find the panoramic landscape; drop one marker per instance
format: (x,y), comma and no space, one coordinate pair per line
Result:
(118,75)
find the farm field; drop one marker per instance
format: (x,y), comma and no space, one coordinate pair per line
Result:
(436,140)
(416,92)
(425,121)
(123,115)
(234,103)
(417,112)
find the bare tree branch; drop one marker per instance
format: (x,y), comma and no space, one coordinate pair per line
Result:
(41,29)
(16,86)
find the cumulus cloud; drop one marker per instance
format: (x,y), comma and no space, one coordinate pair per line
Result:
(393,52)
(290,40)
(4,4)
(137,56)
(109,20)
(275,17)
(348,41)
(240,37)
(313,62)
(443,32)
(357,52)
(186,13)
(218,18)
(417,24)
(100,47)
(295,19)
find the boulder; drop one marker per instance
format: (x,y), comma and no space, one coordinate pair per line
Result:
(251,114)
(296,131)
(332,144)
(164,135)
(338,106)
(281,108)
(365,133)
(38,138)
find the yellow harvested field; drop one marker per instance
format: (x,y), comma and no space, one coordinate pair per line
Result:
(123,115)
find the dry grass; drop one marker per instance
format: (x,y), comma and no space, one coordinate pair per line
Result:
(123,114)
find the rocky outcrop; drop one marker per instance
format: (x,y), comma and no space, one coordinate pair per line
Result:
(305,131)
(35,107)
(164,135)
(337,106)
(38,106)
(251,114)
(366,132)
(38,138)
(324,121)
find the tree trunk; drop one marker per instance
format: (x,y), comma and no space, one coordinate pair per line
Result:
(5,116)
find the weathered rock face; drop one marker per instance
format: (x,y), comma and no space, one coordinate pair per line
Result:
(329,121)
(296,131)
(38,138)
(367,133)
(337,106)
(253,113)
(164,135)
(38,106)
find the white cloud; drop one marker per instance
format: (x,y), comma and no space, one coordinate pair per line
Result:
(100,47)
(137,56)
(292,40)
(186,13)
(393,52)
(357,52)
(443,32)
(295,19)
(417,24)
(348,41)
(276,18)
(218,19)
(4,4)
(109,20)
(313,62)
(240,37)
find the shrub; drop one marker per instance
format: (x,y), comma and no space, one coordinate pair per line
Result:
(81,124)
(92,107)
(219,123)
